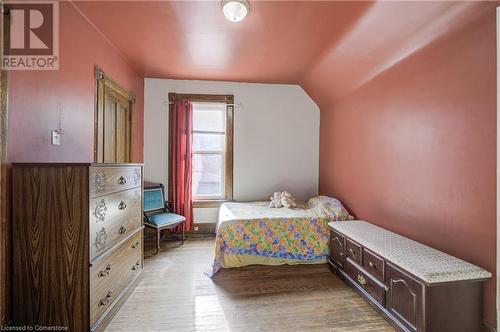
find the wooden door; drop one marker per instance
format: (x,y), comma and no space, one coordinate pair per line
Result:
(114,121)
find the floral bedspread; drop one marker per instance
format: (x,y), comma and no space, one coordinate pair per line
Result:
(253,233)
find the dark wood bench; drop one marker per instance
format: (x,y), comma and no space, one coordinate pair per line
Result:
(417,288)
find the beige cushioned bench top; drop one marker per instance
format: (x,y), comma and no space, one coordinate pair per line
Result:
(426,263)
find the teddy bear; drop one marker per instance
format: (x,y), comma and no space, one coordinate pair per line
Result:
(276,200)
(282,199)
(287,200)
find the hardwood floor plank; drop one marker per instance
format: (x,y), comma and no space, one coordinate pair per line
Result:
(176,295)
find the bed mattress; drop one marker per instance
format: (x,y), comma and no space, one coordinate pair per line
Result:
(253,233)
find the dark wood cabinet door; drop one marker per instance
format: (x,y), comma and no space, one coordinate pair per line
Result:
(50,246)
(405,298)
(337,248)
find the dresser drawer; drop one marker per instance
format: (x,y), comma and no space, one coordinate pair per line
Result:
(368,283)
(353,251)
(337,248)
(113,217)
(111,274)
(373,264)
(107,180)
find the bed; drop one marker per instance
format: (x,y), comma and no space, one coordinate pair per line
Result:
(253,233)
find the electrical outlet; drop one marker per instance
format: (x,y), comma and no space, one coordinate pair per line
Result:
(55,137)
(196,228)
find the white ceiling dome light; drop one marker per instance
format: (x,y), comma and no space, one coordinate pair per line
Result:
(235,10)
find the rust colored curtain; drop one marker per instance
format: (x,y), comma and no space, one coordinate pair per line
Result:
(181,138)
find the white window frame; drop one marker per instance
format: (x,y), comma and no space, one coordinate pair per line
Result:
(222,153)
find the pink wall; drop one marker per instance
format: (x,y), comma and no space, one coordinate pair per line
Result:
(414,149)
(34,96)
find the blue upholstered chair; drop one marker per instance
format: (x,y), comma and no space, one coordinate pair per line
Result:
(157,214)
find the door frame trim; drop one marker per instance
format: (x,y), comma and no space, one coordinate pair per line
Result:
(5,277)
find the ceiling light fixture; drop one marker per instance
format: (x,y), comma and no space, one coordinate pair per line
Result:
(235,10)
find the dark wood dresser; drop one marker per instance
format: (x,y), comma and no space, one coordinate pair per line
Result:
(77,242)
(415,287)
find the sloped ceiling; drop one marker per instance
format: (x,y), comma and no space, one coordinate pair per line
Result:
(328,47)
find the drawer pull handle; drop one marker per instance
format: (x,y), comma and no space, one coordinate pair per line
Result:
(105,300)
(361,279)
(122,181)
(122,206)
(136,245)
(372,265)
(136,266)
(122,230)
(104,272)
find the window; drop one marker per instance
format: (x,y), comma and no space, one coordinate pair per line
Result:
(209,150)
(212,163)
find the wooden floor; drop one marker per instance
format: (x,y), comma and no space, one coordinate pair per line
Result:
(176,295)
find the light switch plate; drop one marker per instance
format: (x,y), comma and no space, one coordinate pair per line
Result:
(55,137)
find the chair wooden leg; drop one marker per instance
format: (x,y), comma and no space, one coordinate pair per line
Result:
(157,240)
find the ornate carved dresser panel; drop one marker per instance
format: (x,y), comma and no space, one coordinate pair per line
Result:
(77,242)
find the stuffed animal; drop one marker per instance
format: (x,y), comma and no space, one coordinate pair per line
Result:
(276,200)
(282,199)
(287,200)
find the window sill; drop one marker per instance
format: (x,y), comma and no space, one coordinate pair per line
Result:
(212,203)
